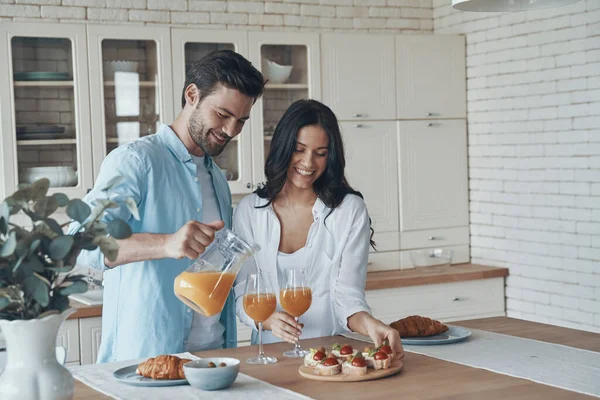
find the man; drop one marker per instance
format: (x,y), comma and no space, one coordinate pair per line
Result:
(183,198)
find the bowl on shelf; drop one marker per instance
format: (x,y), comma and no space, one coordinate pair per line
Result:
(110,67)
(276,73)
(59,176)
(431,257)
(203,377)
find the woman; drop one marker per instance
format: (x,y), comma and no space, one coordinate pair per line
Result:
(307,216)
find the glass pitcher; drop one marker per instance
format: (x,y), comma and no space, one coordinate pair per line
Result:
(205,285)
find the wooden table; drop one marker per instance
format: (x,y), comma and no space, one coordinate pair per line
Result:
(421,378)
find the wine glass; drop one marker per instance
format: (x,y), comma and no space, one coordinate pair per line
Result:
(295,298)
(260,302)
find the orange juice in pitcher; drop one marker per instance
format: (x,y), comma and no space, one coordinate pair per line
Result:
(205,285)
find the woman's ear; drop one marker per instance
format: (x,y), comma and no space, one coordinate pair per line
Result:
(192,95)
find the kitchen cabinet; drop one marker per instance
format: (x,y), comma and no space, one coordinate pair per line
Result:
(90,331)
(44,111)
(68,337)
(358,75)
(430,77)
(433,180)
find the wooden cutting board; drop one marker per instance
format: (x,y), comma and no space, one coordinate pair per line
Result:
(309,373)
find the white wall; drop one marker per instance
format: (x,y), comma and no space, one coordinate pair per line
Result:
(290,15)
(534,155)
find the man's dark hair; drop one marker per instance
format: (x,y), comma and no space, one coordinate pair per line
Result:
(227,68)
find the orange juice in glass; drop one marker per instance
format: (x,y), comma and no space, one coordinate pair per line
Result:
(295,298)
(259,303)
(205,285)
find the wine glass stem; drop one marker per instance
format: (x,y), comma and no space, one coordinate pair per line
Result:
(261,353)
(297,347)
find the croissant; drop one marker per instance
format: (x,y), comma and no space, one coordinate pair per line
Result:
(163,367)
(418,326)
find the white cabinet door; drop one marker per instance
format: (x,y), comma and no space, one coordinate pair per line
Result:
(290,63)
(44,107)
(68,337)
(190,45)
(358,75)
(372,169)
(430,76)
(90,330)
(131,83)
(433,174)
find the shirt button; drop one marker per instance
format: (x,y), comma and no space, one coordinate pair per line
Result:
(198,209)
(309,245)
(189,311)
(196,179)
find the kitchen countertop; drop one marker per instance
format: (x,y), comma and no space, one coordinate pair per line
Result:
(381,280)
(422,377)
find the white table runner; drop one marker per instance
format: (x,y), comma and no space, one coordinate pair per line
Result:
(100,378)
(547,363)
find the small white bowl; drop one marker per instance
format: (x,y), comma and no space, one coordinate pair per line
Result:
(200,376)
(276,73)
(431,257)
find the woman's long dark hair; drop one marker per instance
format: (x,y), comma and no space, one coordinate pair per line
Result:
(332,186)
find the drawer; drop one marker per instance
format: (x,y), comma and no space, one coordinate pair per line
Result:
(385,241)
(461,255)
(434,238)
(446,302)
(384,261)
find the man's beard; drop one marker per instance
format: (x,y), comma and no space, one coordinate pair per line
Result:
(200,135)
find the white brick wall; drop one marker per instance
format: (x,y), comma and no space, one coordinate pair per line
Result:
(291,15)
(534,155)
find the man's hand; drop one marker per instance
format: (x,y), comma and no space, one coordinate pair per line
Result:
(283,326)
(191,239)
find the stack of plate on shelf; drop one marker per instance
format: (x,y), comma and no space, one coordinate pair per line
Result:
(40,132)
(42,76)
(59,176)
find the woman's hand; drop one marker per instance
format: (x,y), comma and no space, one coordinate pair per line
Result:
(379,332)
(283,326)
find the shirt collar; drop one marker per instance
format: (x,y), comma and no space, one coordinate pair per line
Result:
(178,148)
(318,208)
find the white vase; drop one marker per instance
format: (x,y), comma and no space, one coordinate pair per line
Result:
(32,371)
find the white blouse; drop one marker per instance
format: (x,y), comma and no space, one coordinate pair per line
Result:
(335,257)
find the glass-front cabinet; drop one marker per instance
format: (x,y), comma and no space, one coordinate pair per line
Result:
(290,64)
(131,90)
(190,45)
(44,100)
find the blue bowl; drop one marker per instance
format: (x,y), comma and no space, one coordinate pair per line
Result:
(200,376)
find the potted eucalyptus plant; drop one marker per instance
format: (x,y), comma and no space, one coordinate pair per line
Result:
(36,261)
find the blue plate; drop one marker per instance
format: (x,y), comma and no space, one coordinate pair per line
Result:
(127,375)
(453,335)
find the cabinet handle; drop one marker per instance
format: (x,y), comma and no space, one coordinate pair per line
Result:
(456,299)
(432,238)
(89,190)
(248,185)
(430,124)
(429,114)
(358,125)
(357,115)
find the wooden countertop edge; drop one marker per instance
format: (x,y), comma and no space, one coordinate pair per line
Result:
(380,280)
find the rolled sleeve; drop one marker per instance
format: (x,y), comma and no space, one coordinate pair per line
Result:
(243,228)
(349,286)
(124,162)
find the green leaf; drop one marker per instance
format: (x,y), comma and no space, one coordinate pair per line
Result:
(45,206)
(34,246)
(14,205)
(75,287)
(39,189)
(114,182)
(23,195)
(78,210)
(34,264)
(9,246)
(61,303)
(4,302)
(108,247)
(52,224)
(4,217)
(37,289)
(119,229)
(60,247)
(61,199)
(133,209)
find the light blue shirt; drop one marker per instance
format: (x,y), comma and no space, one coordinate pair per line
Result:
(141,315)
